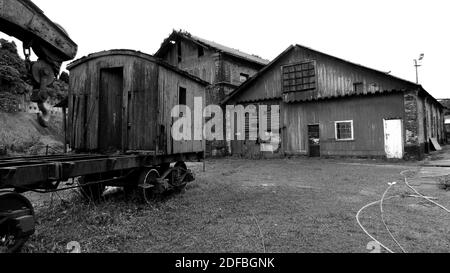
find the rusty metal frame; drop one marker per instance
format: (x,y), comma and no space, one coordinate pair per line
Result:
(40,172)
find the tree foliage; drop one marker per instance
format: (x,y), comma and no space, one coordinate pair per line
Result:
(15,79)
(13,72)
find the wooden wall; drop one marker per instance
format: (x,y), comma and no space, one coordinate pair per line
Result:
(367,113)
(169,84)
(138,102)
(335,99)
(214,67)
(232,67)
(149,93)
(252,149)
(430,121)
(204,67)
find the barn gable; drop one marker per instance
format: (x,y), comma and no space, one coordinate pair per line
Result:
(304,74)
(333,107)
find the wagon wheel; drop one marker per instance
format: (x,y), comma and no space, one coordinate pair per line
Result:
(149,185)
(182,170)
(14,234)
(89,189)
(163,168)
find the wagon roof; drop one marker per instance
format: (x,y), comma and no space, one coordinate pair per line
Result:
(210,44)
(138,54)
(258,75)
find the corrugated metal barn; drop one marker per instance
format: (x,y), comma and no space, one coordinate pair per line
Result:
(332,107)
(121,101)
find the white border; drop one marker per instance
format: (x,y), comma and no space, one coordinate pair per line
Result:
(335,130)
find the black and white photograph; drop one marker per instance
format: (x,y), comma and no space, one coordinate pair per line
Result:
(233,131)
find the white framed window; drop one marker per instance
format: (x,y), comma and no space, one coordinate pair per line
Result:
(344,130)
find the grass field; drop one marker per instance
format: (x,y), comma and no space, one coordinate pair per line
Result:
(291,205)
(22,134)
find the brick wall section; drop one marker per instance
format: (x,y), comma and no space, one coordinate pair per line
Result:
(413,149)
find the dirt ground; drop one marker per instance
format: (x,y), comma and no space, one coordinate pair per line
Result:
(281,205)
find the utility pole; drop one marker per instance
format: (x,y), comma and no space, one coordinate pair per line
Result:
(417,65)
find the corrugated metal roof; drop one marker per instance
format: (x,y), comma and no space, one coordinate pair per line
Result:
(211,44)
(138,54)
(302,97)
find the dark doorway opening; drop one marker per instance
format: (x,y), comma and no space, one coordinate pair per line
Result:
(110,110)
(314,140)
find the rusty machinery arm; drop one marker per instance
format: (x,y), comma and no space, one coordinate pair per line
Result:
(49,41)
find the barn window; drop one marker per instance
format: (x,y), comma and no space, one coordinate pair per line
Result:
(299,77)
(344,130)
(182,96)
(247,126)
(180,57)
(358,87)
(201,51)
(244,77)
(251,126)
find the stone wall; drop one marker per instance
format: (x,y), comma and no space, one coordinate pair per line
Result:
(423,120)
(413,149)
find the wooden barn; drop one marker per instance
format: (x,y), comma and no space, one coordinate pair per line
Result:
(121,101)
(223,67)
(332,107)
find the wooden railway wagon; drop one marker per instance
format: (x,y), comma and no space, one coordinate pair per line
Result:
(121,100)
(119,127)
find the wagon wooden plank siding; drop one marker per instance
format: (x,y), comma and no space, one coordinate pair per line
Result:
(121,101)
(333,107)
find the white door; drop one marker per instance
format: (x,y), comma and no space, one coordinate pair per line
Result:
(393,138)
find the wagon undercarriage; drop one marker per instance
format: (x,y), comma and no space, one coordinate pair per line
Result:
(145,173)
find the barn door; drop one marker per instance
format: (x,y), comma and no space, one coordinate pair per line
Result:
(314,140)
(393,138)
(110,110)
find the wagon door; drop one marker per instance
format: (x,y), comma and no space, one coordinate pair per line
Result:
(110,110)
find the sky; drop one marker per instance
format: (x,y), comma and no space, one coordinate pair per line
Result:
(386,35)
